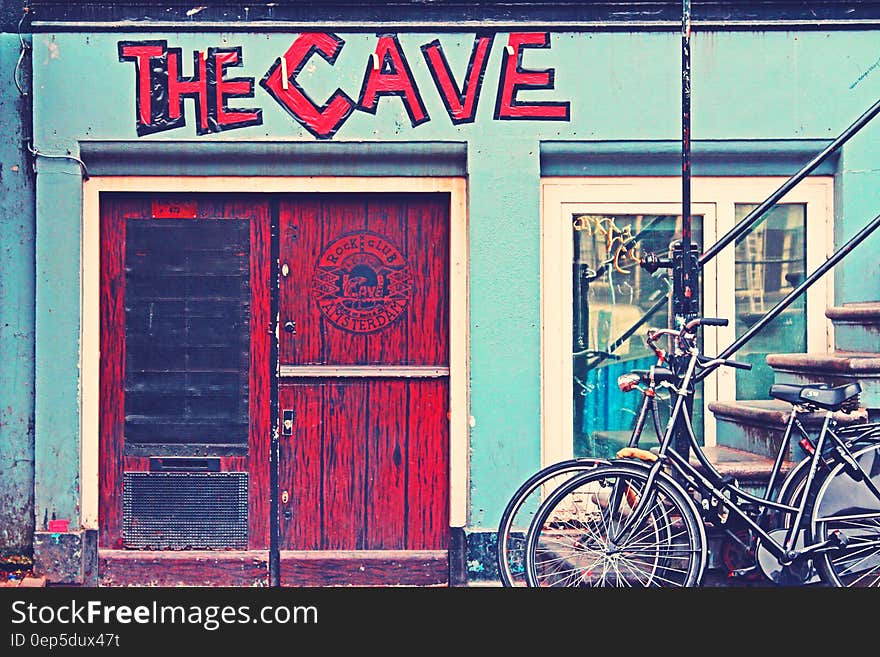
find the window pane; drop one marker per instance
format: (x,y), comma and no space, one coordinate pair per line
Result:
(770,262)
(187,314)
(614,298)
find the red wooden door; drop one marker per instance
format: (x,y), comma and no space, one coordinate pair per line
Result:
(364,389)
(185,424)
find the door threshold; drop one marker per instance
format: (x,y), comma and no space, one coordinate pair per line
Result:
(364,568)
(183,567)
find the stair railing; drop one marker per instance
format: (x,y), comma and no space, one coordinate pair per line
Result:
(651,261)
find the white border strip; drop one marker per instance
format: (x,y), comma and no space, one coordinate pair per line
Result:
(407,371)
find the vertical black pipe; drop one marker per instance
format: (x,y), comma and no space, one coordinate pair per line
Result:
(684,273)
(688,268)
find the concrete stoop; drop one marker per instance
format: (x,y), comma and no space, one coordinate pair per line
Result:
(757,426)
(750,469)
(856,354)
(834,368)
(856,326)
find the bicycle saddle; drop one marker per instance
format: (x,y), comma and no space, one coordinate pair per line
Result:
(661,375)
(821,395)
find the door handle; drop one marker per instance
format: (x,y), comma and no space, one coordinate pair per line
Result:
(290,327)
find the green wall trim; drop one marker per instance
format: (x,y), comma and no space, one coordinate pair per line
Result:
(759,157)
(237,158)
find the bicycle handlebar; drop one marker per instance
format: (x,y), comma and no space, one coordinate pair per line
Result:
(682,334)
(713,321)
(705,360)
(705,321)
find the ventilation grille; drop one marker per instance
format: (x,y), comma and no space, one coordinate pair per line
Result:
(184,510)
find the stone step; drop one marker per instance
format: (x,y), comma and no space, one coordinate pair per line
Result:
(758,426)
(833,368)
(856,326)
(751,470)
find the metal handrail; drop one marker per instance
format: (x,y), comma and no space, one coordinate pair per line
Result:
(746,222)
(771,314)
(751,218)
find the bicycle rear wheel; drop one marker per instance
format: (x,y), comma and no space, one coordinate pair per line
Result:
(845,504)
(521,508)
(572,540)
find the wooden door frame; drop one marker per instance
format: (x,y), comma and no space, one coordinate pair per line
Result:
(456,187)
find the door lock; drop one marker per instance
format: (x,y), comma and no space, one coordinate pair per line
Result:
(287,417)
(285,497)
(290,327)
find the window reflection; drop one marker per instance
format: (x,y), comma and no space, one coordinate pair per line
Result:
(770,262)
(615,302)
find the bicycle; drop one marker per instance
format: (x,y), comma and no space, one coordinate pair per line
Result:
(642,518)
(510,538)
(522,505)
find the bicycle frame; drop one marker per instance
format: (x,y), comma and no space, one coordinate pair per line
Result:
(712,482)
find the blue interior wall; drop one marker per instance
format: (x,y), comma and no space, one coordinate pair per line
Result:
(621,86)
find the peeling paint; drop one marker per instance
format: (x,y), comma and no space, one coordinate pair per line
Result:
(17,522)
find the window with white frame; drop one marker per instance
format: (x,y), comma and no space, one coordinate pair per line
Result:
(597,302)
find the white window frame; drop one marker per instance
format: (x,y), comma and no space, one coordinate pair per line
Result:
(712,197)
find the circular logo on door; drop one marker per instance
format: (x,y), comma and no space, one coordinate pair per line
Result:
(362,282)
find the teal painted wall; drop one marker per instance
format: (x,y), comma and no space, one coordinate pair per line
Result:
(773,85)
(16,312)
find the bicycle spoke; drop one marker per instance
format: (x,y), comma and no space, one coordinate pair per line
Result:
(853,567)
(571,542)
(858,557)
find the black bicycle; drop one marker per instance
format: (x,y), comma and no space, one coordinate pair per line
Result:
(520,509)
(642,519)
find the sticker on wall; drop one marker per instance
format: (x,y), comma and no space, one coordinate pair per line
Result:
(362,282)
(174,209)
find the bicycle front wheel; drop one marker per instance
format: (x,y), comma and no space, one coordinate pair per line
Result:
(849,506)
(578,537)
(517,515)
